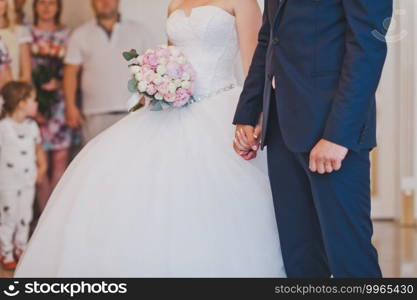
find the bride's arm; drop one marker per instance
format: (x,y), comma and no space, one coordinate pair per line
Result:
(248,21)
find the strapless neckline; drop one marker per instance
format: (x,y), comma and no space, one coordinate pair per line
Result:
(180,10)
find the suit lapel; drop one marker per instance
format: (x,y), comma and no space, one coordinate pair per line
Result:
(278,9)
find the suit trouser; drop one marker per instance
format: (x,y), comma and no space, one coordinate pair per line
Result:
(324,221)
(16,213)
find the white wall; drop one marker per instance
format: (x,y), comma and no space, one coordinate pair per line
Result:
(152,14)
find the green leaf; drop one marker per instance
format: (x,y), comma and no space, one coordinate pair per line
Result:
(132,85)
(129,55)
(164,105)
(157,106)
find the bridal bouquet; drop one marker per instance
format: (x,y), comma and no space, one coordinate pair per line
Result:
(163,75)
(48,64)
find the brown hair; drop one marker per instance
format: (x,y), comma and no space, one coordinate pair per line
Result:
(13,93)
(19,11)
(57,16)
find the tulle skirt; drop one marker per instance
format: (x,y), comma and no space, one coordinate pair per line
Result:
(160,194)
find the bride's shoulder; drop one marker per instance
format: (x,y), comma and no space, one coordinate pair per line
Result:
(234,7)
(245,8)
(173,5)
(243,3)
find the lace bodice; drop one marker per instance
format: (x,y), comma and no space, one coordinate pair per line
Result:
(209,39)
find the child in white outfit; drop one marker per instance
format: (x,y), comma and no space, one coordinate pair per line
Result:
(22,162)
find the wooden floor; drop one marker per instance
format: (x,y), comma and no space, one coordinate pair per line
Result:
(397,247)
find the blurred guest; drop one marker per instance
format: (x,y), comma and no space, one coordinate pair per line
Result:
(22,164)
(17,39)
(48,51)
(20,11)
(97,48)
(5,73)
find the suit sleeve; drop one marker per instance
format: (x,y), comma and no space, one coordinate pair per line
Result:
(366,50)
(250,102)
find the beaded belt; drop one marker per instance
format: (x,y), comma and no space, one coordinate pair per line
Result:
(212,94)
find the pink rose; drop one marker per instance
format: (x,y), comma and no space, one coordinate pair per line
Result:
(182,97)
(149,76)
(162,52)
(151,89)
(188,68)
(151,60)
(162,88)
(145,68)
(174,70)
(170,97)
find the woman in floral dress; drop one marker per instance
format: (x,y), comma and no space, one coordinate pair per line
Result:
(48,50)
(5,61)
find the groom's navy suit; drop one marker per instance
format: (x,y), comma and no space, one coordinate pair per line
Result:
(326,57)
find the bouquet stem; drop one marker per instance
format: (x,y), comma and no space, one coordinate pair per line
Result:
(136,107)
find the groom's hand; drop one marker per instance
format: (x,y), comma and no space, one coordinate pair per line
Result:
(246,142)
(327,157)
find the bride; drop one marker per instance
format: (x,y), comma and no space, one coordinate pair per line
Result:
(162,193)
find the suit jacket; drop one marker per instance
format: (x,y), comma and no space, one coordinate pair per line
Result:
(327,57)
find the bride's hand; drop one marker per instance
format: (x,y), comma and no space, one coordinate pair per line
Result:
(246,155)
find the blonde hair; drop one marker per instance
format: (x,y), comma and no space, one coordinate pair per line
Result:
(10,15)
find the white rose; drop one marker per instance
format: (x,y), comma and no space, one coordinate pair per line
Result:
(174,51)
(149,51)
(158,79)
(161,70)
(181,60)
(158,96)
(162,61)
(139,59)
(177,82)
(186,76)
(139,76)
(186,84)
(172,87)
(134,69)
(142,86)
(149,75)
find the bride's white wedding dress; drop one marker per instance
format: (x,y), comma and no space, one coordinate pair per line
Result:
(162,194)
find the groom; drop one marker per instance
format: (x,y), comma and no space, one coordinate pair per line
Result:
(313,76)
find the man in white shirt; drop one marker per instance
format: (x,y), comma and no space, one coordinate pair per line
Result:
(95,48)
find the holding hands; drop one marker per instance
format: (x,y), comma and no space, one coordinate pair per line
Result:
(247,140)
